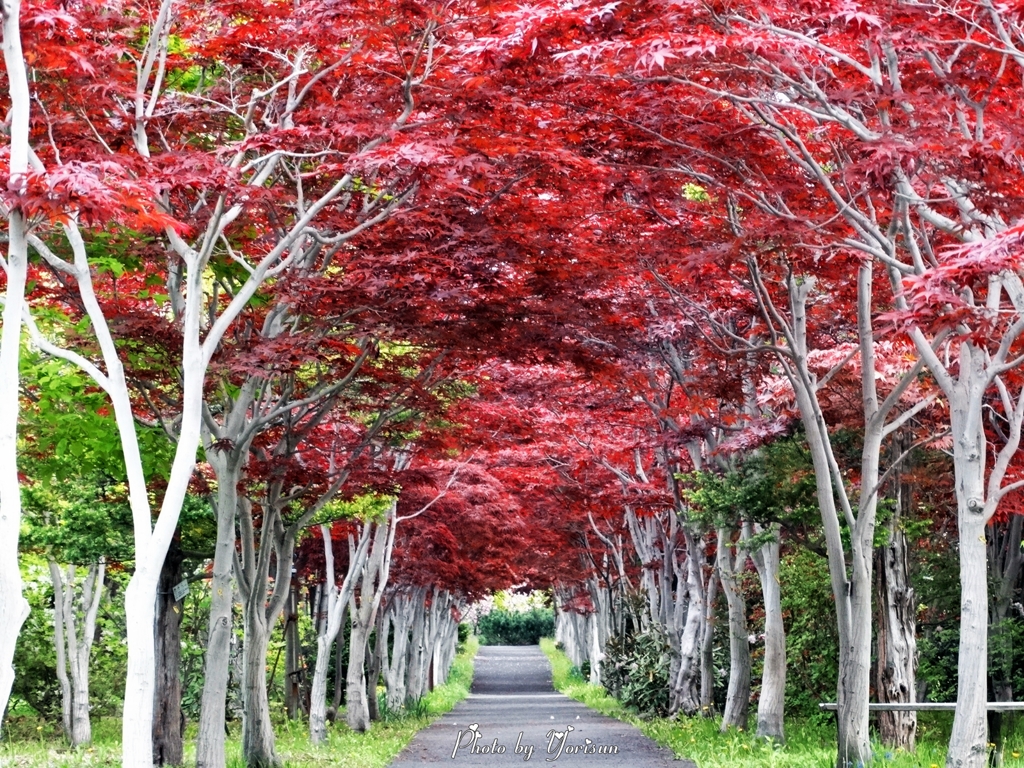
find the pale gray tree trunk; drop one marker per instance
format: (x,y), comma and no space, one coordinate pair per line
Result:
(571,632)
(335,599)
(80,647)
(401,611)
(729,561)
(771,704)
(685,690)
(259,614)
(600,628)
(13,605)
(210,745)
(448,639)
(969,738)
(357,711)
(75,613)
(979,488)
(66,695)
(416,665)
(850,569)
(383,646)
(258,745)
(707,666)
(372,581)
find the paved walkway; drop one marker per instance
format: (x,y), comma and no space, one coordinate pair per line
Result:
(513,715)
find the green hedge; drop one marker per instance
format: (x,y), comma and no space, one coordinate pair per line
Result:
(504,628)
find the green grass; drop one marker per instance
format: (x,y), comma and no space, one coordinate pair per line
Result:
(808,744)
(29,743)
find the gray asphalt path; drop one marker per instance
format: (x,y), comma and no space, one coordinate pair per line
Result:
(513,715)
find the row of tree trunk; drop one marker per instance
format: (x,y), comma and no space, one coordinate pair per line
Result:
(679,588)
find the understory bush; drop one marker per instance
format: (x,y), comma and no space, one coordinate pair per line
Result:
(635,670)
(506,628)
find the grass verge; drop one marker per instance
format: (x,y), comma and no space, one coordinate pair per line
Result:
(344,748)
(808,744)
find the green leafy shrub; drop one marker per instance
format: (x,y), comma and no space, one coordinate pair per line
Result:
(635,670)
(812,641)
(505,628)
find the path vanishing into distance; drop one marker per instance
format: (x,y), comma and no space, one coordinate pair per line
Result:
(513,715)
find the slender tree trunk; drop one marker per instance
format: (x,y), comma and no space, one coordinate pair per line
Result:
(210,746)
(153,540)
(707,667)
(318,697)
(771,704)
(168,748)
(357,713)
(373,670)
(416,677)
(855,658)
(336,599)
(292,670)
(13,605)
(402,608)
(80,648)
(339,665)
(141,615)
(72,611)
(228,464)
(686,688)
(969,737)
(258,745)
(854,745)
(737,702)
(66,694)
(363,610)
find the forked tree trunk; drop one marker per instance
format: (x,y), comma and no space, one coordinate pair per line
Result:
(74,648)
(210,745)
(737,702)
(80,649)
(357,713)
(969,738)
(363,607)
(978,486)
(771,704)
(258,747)
(415,667)
(13,605)
(401,612)
(685,690)
(336,599)
(168,748)
(850,570)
